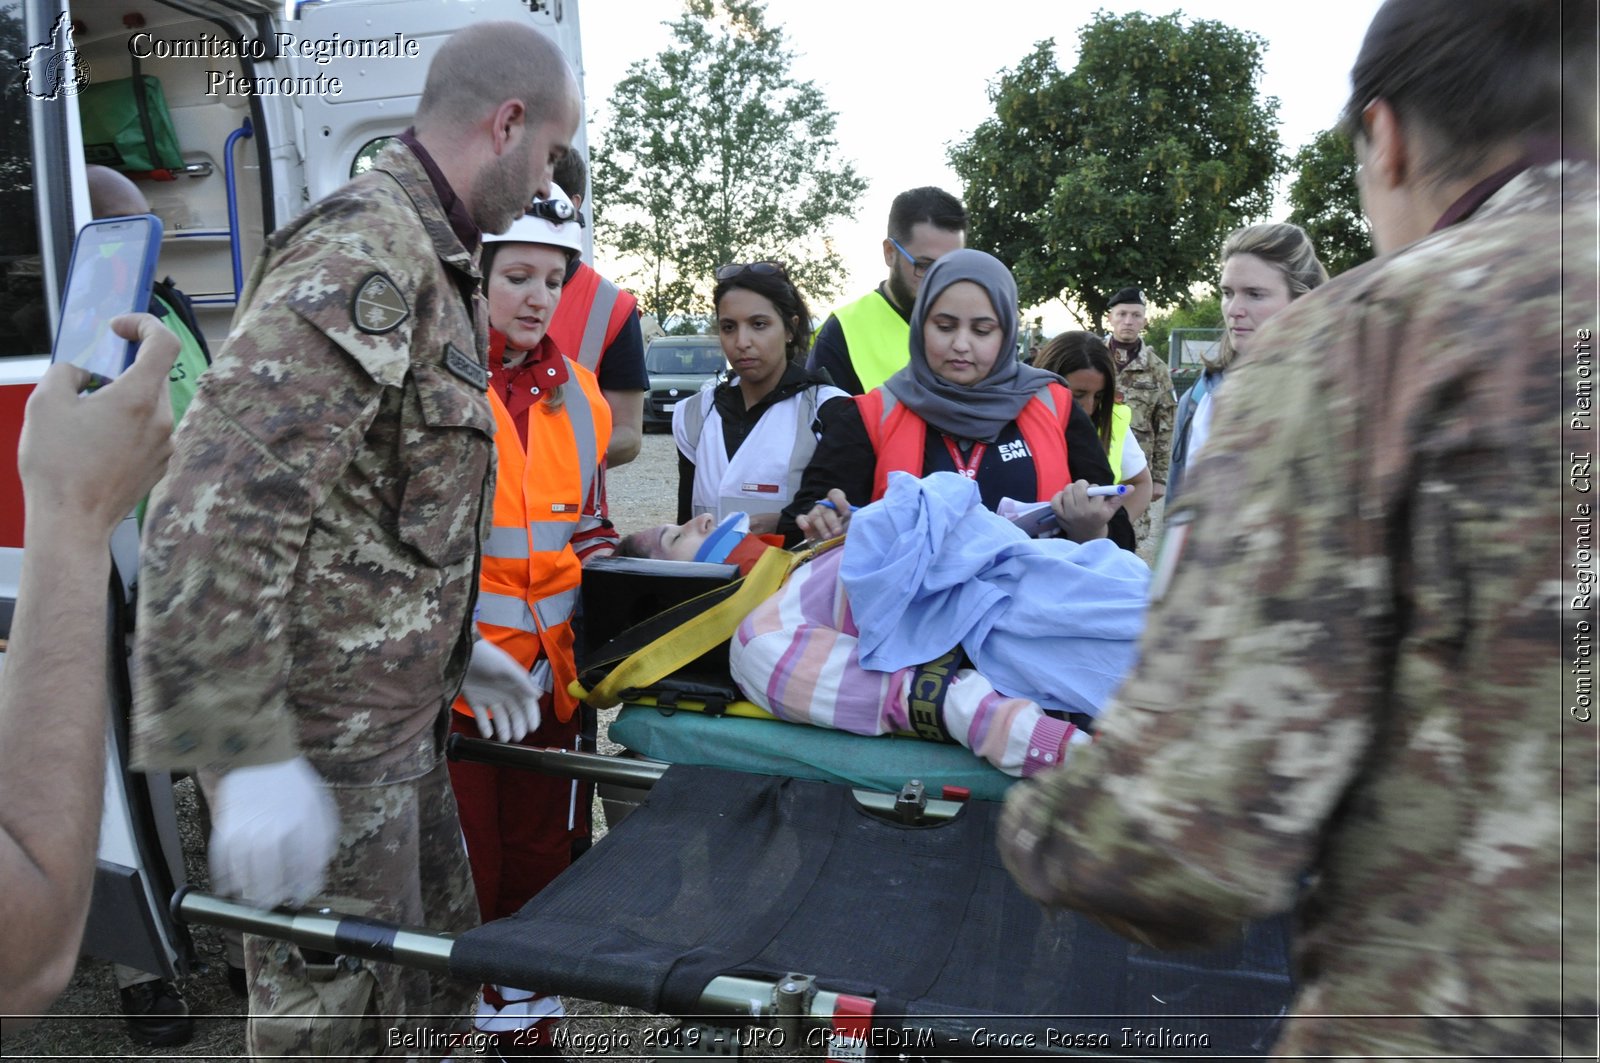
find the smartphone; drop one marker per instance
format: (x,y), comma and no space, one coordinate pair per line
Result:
(1036,519)
(113,267)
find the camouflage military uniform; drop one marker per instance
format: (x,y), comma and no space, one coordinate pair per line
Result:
(1356,670)
(1145,386)
(310,570)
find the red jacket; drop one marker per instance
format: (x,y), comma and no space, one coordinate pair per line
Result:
(899,436)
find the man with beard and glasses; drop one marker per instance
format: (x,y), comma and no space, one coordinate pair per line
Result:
(311,560)
(864,343)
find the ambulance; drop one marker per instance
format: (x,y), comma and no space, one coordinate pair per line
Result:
(233,116)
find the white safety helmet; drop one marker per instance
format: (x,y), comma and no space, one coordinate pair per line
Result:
(553,221)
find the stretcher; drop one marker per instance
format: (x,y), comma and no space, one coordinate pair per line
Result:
(842,894)
(836,921)
(645,621)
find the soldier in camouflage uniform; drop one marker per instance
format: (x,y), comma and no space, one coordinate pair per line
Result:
(310,564)
(1350,697)
(1144,385)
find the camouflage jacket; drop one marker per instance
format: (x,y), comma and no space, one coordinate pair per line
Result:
(1145,387)
(1349,697)
(310,561)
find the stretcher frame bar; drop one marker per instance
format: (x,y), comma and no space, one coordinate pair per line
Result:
(726,996)
(633,771)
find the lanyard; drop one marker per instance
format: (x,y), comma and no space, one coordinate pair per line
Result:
(967,467)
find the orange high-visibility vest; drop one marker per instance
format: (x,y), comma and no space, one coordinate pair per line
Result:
(528,590)
(899,437)
(591,312)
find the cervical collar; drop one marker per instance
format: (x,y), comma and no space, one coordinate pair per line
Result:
(723,538)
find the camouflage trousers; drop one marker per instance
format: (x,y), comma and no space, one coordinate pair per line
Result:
(1141,529)
(400,859)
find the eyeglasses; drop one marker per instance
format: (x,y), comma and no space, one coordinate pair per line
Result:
(555,211)
(739,269)
(919,266)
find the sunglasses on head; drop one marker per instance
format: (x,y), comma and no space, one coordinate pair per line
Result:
(739,269)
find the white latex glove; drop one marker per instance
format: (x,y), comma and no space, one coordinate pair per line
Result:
(276,829)
(503,698)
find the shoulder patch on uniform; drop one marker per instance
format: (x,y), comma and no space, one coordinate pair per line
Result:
(378,306)
(466,367)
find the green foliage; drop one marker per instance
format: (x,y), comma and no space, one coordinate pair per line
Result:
(689,325)
(1131,168)
(1204,313)
(714,154)
(1327,204)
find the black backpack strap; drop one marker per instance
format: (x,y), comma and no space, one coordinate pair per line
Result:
(181,306)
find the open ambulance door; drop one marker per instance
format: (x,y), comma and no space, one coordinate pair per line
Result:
(251,161)
(217,204)
(377,99)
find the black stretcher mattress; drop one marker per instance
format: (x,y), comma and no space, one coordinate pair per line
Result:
(725,873)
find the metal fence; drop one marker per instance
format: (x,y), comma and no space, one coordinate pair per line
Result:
(1188,349)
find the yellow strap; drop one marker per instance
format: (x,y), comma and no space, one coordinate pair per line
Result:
(744,710)
(704,632)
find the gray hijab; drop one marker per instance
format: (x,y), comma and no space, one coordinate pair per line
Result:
(969,411)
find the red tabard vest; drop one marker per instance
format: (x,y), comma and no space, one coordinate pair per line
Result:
(529,583)
(899,437)
(591,313)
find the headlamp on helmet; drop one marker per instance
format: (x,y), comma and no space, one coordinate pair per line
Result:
(553,221)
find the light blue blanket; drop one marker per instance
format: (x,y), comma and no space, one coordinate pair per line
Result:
(927,567)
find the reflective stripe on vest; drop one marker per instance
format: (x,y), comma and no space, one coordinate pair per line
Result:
(511,543)
(589,317)
(593,343)
(530,578)
(899,437)
(1121,421)
(504,610)
(879,339)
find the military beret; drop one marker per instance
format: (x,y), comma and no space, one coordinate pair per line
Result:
(1127,295)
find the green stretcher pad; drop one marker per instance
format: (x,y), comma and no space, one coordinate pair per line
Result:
(800,751)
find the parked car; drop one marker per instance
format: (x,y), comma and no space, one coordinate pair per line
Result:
(678,367)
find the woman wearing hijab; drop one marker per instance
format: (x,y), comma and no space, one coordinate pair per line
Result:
(963,404)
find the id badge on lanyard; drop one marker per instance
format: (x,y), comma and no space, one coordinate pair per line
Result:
(967,466)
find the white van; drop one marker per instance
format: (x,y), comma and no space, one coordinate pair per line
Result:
(273,105)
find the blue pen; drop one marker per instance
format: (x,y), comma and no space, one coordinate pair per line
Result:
(1107,492)
(830,505)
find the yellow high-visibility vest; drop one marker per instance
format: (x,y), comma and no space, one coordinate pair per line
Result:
(1121,421)
(878,337)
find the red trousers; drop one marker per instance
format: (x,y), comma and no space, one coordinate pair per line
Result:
(519,825)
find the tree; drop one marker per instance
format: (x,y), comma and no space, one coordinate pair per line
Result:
(1129,170)
(1326,203)
(714,154)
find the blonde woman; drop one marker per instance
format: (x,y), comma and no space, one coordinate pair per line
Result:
(1264,269)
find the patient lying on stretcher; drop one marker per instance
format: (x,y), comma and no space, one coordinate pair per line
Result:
(860,638)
